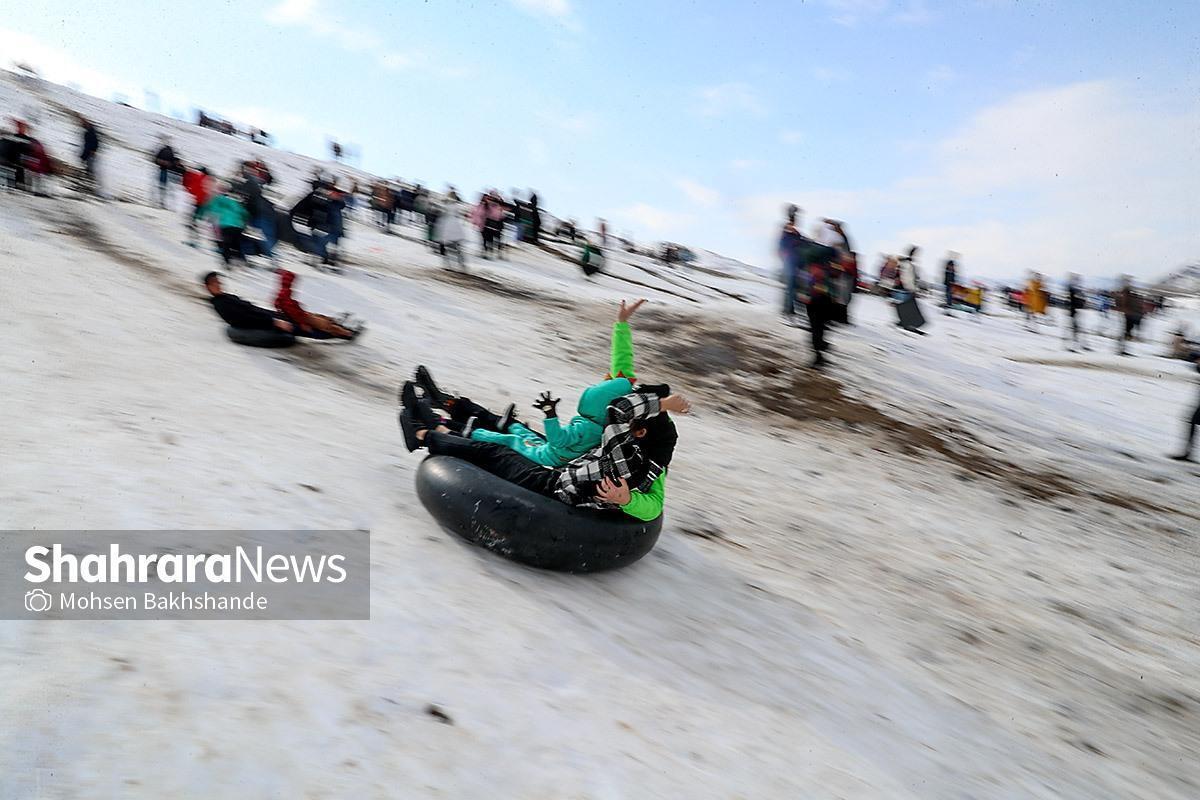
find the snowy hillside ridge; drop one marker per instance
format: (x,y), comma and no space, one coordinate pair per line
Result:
(732,267)
(139,131)
(1182,282)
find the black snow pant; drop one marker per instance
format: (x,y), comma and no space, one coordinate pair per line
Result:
(463,408)
(231,244)
(496,459)
(492,231)
(820,311)
(1131,325)
(1074,328)
(1190,438)
(840,313)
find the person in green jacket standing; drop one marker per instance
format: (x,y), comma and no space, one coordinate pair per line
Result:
(230,216)
(562,443)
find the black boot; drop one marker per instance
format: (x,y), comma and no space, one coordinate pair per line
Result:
(409,427)
(432,390)
(408,395)
(423,412)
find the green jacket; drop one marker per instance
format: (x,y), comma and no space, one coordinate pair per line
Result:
(563,443)
(226,212)
(581,435)
(643,505)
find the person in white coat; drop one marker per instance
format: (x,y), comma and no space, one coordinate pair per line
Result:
(904,295)
(450,231)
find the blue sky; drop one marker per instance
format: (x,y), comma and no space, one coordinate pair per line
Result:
(1024,135)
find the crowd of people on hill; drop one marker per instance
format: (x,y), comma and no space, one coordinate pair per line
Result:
(213,123)
(25,161)
(820,273)
(237,205)
(1126,302)
(447,219)
(229,206)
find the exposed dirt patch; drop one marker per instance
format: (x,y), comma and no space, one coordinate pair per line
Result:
(483,283)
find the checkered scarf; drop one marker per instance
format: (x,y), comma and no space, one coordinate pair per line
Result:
(619,456)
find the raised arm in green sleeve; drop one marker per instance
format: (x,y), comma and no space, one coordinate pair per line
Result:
(622,351)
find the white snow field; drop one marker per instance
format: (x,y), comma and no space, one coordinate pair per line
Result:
(952,566)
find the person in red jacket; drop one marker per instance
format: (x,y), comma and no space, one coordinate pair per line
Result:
(200,186)
(35,160)
(317,326)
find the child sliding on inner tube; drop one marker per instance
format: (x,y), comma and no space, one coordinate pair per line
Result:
(561,444)
(635,449)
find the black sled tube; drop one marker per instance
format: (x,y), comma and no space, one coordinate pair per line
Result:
(260,338)
(526,527)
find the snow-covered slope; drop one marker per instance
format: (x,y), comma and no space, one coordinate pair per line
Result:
(1184,281)
(130,137)
(954,566)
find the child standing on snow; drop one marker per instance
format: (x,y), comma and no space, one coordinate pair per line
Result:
(230,217)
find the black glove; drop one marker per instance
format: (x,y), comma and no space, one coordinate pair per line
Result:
(659,389)
(547,405)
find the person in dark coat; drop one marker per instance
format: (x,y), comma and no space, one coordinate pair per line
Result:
(259,207)
(168,169)
(1129,306)
(792,248)
(241,313)
(91,146)
(949,278)
(15,150)
(822,308)
(1076,303)
(535,220)
(1192,422)
(315,211)
(843,275)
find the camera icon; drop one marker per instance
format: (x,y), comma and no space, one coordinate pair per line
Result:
(38,600)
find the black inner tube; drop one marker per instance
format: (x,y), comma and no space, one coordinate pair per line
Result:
(526,527)
(260,338)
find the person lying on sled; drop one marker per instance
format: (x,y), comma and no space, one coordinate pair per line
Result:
(636,446)
(242,313)
(562,442)
(315,326)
